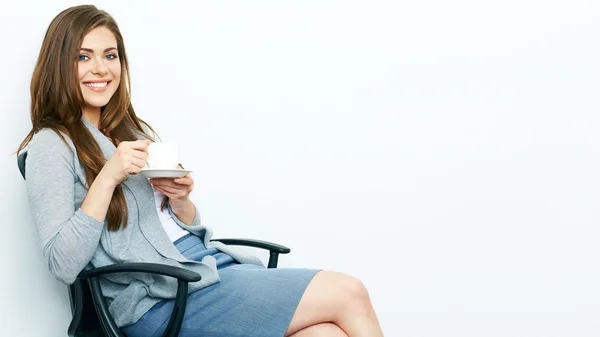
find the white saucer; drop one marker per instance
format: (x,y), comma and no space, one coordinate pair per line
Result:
(164,173)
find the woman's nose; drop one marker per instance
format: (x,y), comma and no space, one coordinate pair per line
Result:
(99,68)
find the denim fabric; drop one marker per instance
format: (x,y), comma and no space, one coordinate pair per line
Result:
(192,247)
(248,301)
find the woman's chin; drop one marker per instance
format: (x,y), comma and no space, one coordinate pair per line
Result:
(96,104)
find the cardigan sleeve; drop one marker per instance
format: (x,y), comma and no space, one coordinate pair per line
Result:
(195,223)
(68,236)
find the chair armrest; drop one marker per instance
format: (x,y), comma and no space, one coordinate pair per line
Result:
(182,275)
(273,248)
(256,243)
(153,268)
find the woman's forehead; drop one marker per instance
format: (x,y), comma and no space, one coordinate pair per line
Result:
(99,39)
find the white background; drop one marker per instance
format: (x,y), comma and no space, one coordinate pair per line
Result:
(444,152)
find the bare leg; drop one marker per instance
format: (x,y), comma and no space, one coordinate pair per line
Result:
(321,330)
(340,299)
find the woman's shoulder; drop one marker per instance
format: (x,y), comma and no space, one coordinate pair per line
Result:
(48,140)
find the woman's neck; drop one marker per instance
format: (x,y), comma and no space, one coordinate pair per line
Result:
(92,114)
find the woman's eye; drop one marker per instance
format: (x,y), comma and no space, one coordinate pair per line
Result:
(111,56)
(83,58)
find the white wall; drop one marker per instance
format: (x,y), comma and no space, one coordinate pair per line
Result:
(445,152)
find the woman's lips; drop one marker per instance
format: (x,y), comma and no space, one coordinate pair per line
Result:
(97,86)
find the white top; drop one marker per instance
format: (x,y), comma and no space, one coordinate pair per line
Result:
(171,227)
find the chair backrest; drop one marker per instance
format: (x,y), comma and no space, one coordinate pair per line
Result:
(21,162)
(85,320)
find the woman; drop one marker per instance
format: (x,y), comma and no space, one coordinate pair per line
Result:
(90,206)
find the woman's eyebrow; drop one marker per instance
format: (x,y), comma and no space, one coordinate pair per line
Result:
(91,51)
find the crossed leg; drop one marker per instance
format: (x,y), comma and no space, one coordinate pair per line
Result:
(321,330)
(337,299)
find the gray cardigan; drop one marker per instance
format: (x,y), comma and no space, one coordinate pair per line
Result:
(72,240)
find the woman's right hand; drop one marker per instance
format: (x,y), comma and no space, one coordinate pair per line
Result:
(128,158)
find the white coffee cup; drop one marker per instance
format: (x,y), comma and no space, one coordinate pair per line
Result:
(162,156)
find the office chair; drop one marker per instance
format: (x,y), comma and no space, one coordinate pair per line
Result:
(91,317)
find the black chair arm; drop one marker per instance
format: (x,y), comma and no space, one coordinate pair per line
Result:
(183,277)
(256,243)
(273,248)
(152,268)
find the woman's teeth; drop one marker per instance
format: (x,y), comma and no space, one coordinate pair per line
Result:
(96,85)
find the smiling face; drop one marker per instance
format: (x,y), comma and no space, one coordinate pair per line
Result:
(99,69)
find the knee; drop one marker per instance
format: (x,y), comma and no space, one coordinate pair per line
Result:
(350,290)
(356,289)
(342,292)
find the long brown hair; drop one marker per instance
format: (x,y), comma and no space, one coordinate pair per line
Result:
(57,101)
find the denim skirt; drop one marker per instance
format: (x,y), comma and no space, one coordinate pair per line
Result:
(249,300)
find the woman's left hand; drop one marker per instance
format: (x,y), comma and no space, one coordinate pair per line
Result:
(178,190)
